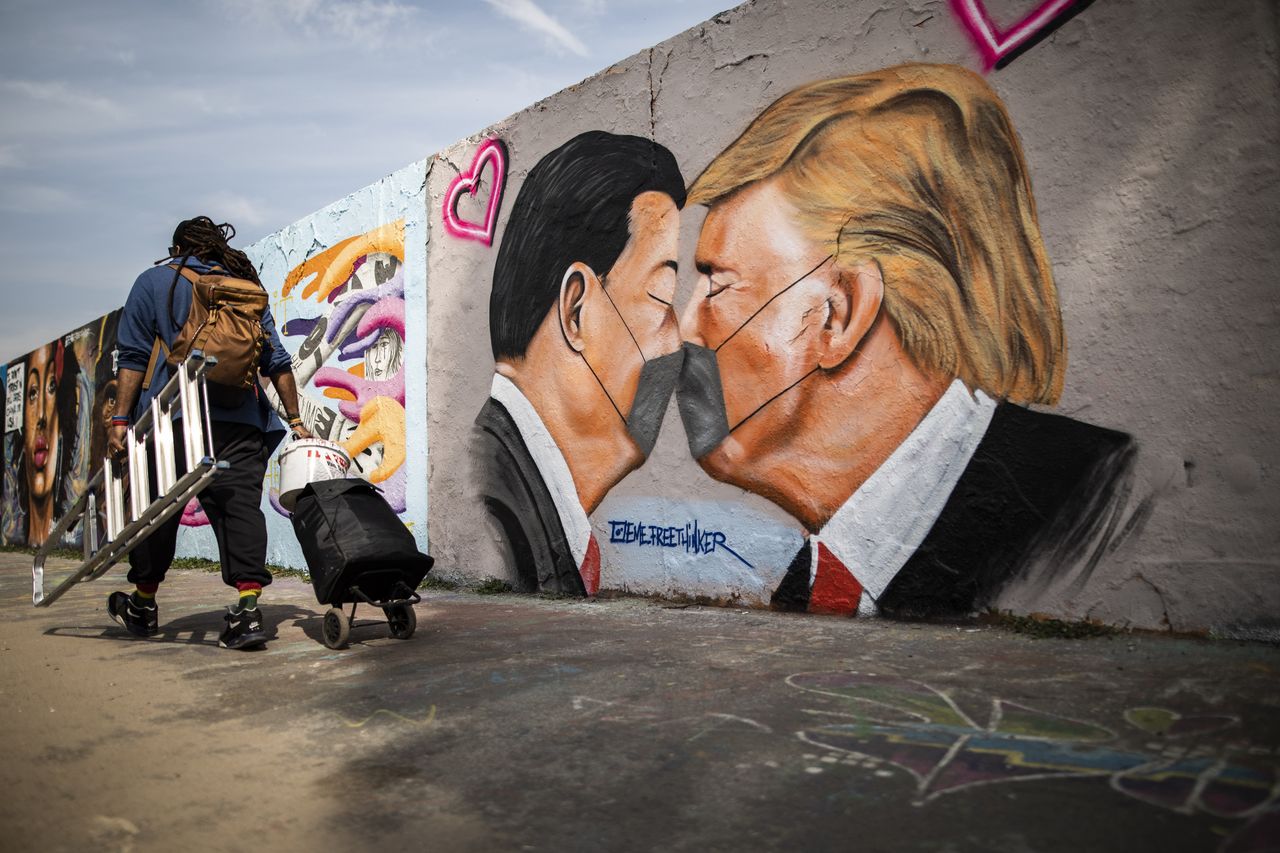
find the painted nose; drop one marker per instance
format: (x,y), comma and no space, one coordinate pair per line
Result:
(690,322)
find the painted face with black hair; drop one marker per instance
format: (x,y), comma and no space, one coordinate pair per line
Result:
(630,338)
(40,422)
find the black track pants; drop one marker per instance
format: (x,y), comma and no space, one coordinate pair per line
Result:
(232,502)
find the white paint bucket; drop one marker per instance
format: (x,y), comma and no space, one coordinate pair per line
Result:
(307,460)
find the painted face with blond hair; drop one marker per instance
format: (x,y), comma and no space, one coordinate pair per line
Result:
(888,210)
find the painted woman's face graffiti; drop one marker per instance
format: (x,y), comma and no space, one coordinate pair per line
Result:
(382,359)
(40,422)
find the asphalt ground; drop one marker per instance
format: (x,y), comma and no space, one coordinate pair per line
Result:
(512,722)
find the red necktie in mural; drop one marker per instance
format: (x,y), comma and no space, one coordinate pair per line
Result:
(590,568)
(835,589)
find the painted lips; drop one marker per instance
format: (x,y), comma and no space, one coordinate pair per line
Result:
(41,454)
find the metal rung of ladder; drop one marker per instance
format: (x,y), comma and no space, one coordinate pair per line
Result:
(125,488)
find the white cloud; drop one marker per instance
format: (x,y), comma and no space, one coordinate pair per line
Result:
(358,19)
(239,210)
(60,94)
(530,15)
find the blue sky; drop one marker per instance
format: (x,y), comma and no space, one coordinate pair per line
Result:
(121,118)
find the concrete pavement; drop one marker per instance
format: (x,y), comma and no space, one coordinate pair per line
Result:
(521,723)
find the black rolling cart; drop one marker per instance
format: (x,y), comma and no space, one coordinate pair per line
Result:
(358,551)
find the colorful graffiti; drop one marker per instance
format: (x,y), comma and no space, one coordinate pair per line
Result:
(359,284)
(585,347)
(55,428)
(923,731)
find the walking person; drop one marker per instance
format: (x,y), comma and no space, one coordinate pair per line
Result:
(245,431)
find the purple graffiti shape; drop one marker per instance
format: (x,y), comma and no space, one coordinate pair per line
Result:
(299,326)
(385,314)
(393,489)
(391,288)
(364,390)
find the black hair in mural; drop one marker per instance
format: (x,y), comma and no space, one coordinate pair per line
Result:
(201,238)
(104,388)
(573,207)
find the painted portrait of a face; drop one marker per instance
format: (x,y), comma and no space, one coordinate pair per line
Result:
(383,358)
(41,438)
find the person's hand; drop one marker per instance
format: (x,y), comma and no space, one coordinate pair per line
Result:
(116,435)
(299,431)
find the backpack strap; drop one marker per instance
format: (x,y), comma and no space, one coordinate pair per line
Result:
(152,362)
(159,345)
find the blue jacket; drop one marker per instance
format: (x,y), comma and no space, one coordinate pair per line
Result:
(146,314)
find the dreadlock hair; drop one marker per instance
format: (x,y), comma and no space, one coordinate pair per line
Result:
(201,238)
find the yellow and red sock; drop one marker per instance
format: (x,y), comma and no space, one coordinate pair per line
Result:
(249,593)
(145,593)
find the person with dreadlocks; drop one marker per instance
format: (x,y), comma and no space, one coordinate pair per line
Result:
(244,435)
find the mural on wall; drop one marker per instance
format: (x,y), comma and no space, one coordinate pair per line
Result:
(586,350)
(54,431)
(873,316)
(874,313)
(358,284)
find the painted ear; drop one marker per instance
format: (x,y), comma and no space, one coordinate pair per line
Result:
(853,304)
(572,303)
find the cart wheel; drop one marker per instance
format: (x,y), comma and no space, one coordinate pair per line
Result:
(337,628)
(403,621)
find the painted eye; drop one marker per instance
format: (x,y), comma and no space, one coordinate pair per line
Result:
(715,288)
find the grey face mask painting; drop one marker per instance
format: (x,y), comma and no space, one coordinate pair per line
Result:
(701,400)
(658,380)
(659,377)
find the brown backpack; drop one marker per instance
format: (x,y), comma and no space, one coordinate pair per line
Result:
(225,322)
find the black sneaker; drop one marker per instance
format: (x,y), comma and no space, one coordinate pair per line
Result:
(138,619)
(245,628)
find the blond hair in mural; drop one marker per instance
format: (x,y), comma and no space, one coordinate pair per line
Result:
(918,167)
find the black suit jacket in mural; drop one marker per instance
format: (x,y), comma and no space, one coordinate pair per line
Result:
(518,502)
(1043,493)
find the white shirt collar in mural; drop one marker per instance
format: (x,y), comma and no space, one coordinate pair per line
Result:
(551,465)
(882,524)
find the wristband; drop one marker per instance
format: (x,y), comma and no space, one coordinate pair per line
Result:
(119,420)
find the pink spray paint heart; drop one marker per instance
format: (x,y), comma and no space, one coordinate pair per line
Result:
(995,44)
(494,154)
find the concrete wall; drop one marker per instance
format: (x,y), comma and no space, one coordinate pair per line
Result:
(1149,137)
(1075,418)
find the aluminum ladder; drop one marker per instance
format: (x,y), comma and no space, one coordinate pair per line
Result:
(151,438)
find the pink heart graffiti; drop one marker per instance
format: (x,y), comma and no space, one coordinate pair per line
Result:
(995,44)
(493,153)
